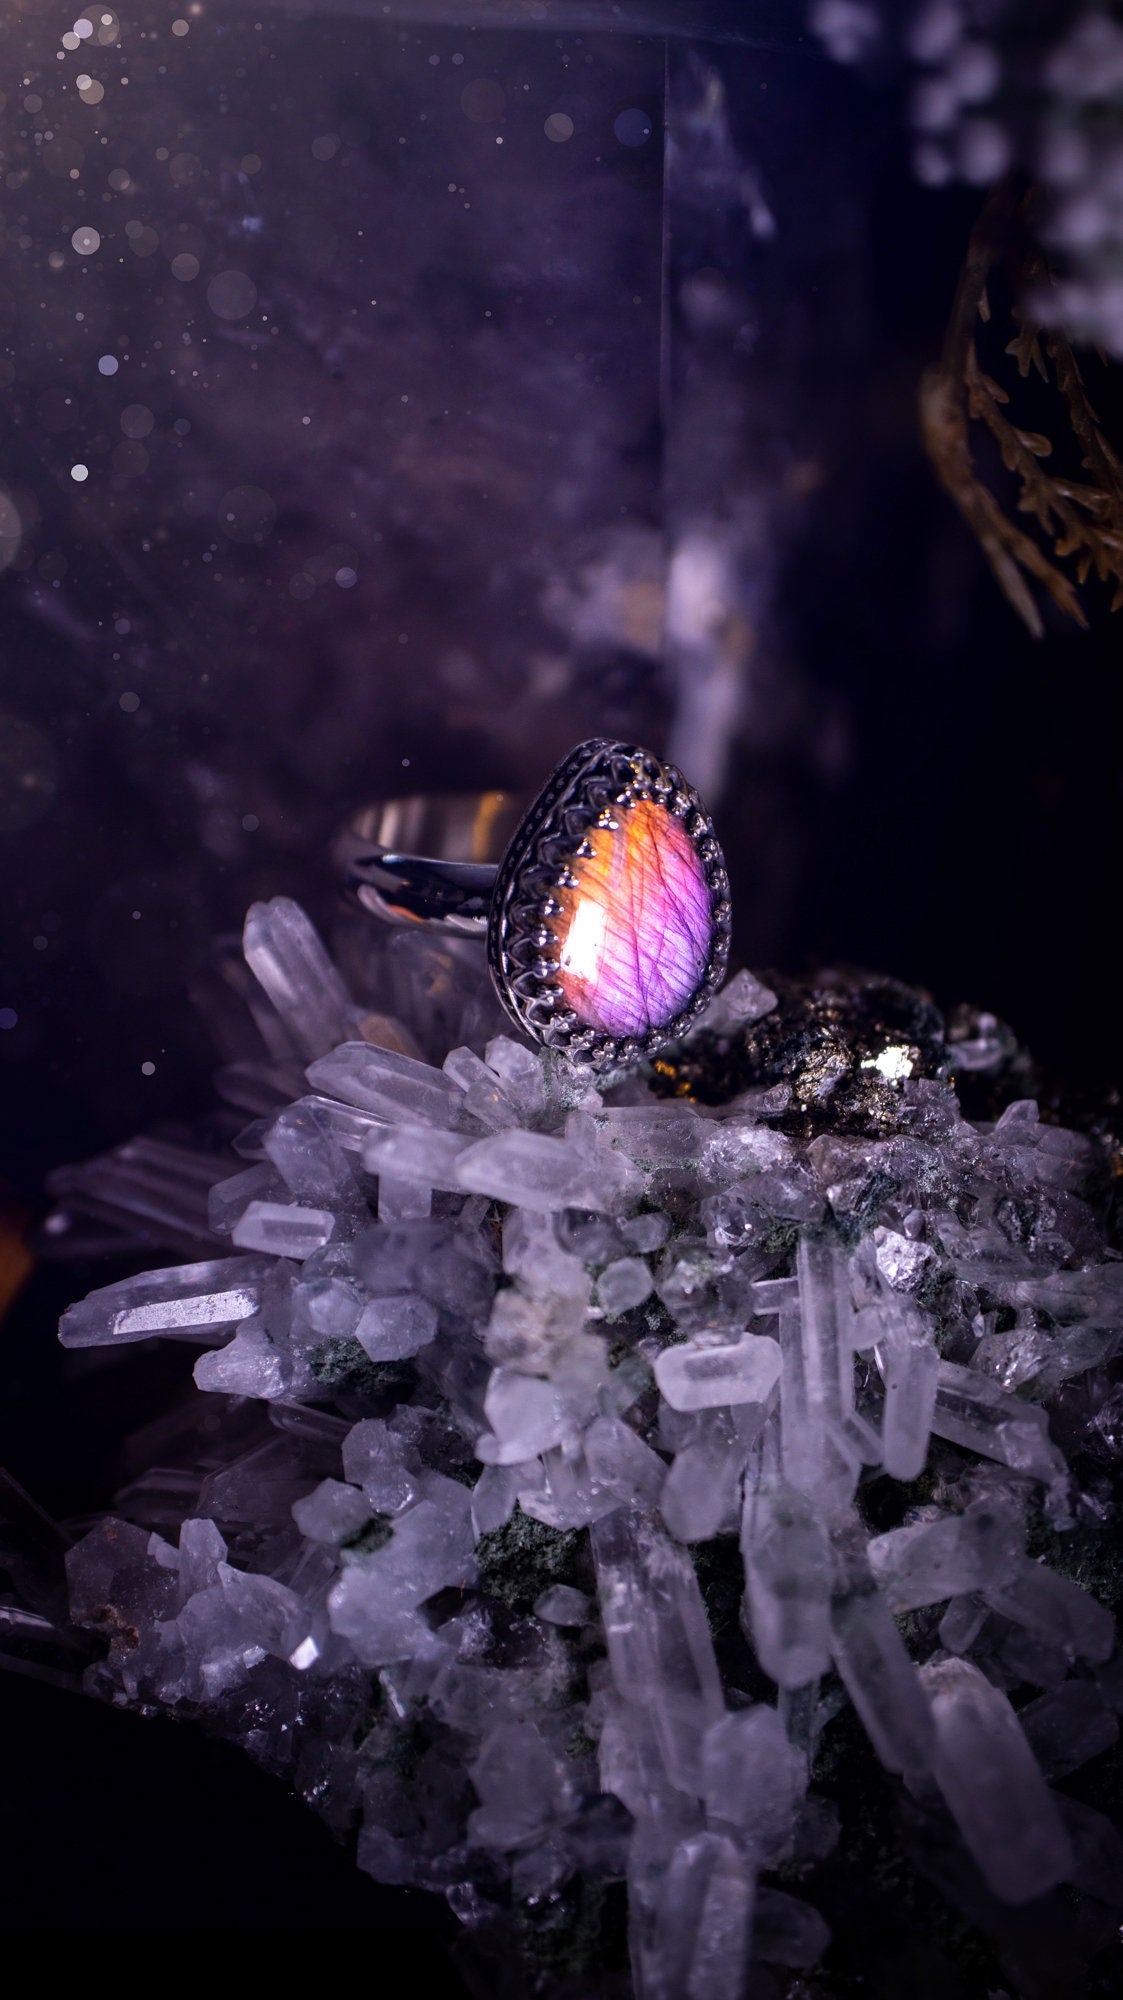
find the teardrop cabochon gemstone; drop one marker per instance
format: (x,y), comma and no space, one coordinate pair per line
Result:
(610,924)
(634,932)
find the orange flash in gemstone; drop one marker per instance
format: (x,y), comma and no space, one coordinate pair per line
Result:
(635,931)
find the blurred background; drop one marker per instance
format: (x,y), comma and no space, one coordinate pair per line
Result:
(391,396)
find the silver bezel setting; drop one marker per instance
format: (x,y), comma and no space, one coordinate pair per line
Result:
(596,782)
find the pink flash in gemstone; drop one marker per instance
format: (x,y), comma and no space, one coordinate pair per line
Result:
(635,931)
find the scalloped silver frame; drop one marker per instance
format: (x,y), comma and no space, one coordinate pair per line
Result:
(596,781)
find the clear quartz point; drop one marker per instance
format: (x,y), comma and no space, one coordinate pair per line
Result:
(189,1302)
(286,955)
(1009,1820)
(787,1584)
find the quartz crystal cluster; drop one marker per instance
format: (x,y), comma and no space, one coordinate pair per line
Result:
(573,1456)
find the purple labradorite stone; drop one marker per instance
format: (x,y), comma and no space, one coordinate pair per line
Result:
(635,931)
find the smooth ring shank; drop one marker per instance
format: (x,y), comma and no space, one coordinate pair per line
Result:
(431,860)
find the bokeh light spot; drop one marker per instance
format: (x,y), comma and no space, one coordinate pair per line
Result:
(137,420)
(28,774)
(231,295)
(633,128)
(483,100)
(246,514)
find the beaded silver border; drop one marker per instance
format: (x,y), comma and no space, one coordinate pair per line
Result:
(594,783)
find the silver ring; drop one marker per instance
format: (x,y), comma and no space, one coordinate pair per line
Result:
(605,903)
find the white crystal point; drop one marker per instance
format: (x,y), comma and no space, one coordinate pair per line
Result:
(233,1625)
(754,1780)
(396,1088)
(787,1584)
(537,1171)
(533,1255)
(909,1367)
(331,1512)
(1009,1819)
(373,1459)
(393,1329)
(698,1375)
(529,1332)
(375,1602)
(201,1550)
(700,1493)
(666,1134)
(284,1230)
(817,1395)
(738,1149)
(826,1321)
(521,1786)
(310,1158)
(522,1073)
(420,1154)
(622,1463)
(623,1285)
(873,1663)
(949,1555)
(562,1605)
(558,1489)
(484,1096)
(658,1635)
(527,1416)
(975,1412)
(249,1365)
(230,1198)
(403,1201)
(344,1125)
(742,1000)
(703,1925)
(1054,1609)
(900,1261)
(647,1232)
(284,952)
(187,1302)
(493,1497)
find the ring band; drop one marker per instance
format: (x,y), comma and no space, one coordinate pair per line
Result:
(431,860)
(605,903)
